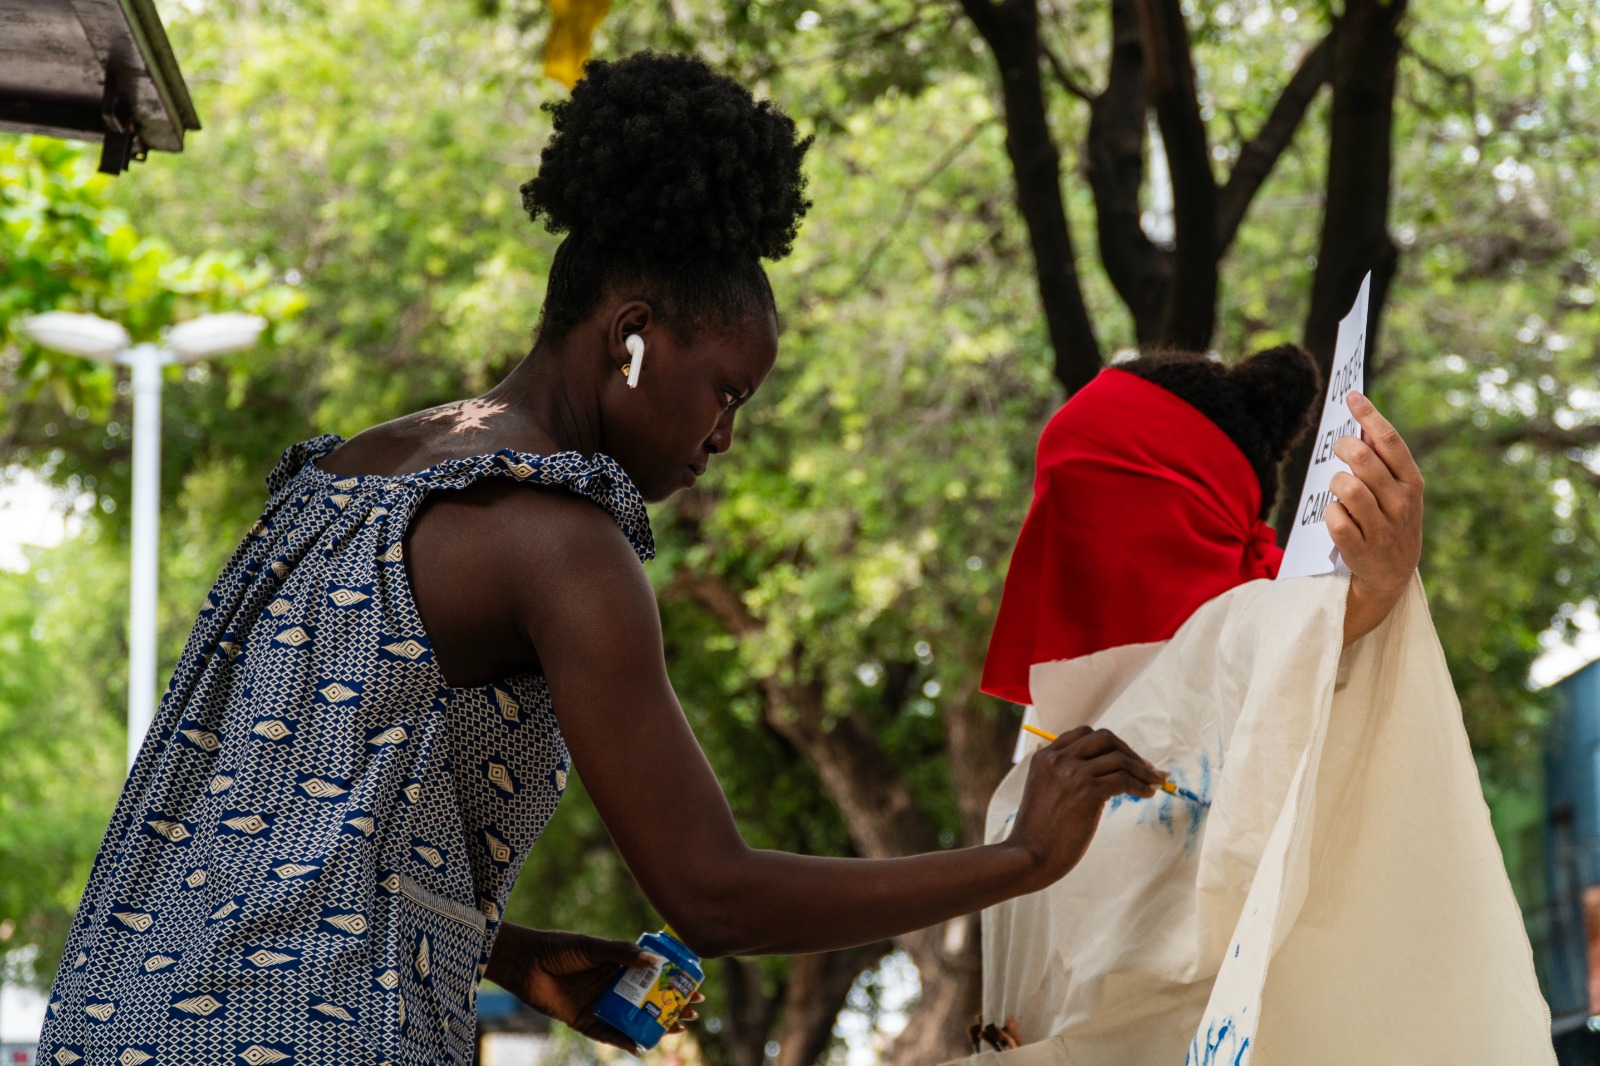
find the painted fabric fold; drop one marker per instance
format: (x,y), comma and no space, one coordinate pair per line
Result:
(1325,888)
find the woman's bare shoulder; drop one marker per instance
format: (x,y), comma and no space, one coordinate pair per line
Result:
(487,562)
(417,441)
(555,536)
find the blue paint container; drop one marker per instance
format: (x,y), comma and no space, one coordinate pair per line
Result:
(644,1003)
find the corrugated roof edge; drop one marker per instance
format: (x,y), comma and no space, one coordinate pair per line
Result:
(163,66)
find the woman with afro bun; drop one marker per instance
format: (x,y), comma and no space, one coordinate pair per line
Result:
(435,622)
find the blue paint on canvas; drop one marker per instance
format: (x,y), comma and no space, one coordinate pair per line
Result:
(1178,813)
(1224,1044)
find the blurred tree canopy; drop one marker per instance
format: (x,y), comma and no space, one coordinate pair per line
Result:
(1007,194)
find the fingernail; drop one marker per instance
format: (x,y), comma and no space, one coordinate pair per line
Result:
(1355,400)
(653,958)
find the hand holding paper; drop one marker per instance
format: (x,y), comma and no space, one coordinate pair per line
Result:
(1361,507)
(1376,522)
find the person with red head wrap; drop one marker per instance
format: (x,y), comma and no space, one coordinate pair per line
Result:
(1143,509)
(1321,884)
(1151,492)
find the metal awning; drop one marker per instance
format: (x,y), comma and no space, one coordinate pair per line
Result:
(93,70)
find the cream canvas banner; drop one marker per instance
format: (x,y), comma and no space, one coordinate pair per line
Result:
(1325,889)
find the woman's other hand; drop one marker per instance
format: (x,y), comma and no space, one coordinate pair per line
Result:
(562,975)
(1069,782)
(1376,522)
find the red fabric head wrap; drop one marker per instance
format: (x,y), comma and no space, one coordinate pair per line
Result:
(1143,510)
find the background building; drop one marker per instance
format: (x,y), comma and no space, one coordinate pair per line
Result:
(1553,851)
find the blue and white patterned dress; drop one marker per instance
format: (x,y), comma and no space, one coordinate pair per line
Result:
(311,854)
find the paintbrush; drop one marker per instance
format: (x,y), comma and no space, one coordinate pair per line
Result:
(1166,786)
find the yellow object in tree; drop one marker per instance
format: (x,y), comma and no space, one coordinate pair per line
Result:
(572,26)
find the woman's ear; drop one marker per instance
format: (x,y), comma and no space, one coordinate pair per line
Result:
(1280,386)
(632,318)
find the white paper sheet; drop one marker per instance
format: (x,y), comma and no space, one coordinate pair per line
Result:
(1310,549)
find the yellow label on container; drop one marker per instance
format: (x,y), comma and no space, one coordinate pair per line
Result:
(666,996)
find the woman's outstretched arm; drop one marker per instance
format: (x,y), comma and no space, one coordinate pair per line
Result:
(589,611)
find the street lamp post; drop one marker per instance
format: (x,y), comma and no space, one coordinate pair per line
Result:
(96,338)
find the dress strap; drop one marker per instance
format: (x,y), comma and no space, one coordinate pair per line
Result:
(296,456)
(596,477)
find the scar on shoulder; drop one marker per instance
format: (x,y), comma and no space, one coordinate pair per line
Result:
(468,414)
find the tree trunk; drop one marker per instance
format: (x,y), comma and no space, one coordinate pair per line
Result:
(1260,154)
(818,985)
(884,821)
(1355,220)
(949,969)
(1011,29)
(979,735)
(879,811)
(749,1012)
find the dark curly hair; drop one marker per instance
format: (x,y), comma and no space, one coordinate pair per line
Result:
(1263,402)
(669,180)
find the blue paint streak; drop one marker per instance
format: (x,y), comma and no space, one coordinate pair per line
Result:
(1199,803)
(1224,1045)
(1188,806)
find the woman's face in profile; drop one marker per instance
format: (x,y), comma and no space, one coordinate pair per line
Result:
(665,432)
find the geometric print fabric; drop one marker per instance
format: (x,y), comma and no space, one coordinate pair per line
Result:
(313,849)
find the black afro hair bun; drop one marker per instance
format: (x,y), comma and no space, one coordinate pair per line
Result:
(659,158)
(1280,386)
(1263,403)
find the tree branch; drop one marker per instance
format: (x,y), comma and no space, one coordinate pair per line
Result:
(1455,79)
(1355,218)
(1552,437)
(882,816)
(1011,30)
(1190,315)
(1570,444)
(1548,438)
(1260,154)
(906,205)
(1068,81)
(987,16)
(1113,164)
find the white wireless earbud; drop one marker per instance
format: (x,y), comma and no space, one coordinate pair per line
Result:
(635,345)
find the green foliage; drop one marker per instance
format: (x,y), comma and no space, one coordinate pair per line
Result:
(63,740)
(372,155)
(1489,353)
(70,250)
(878,484)
(356,182)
